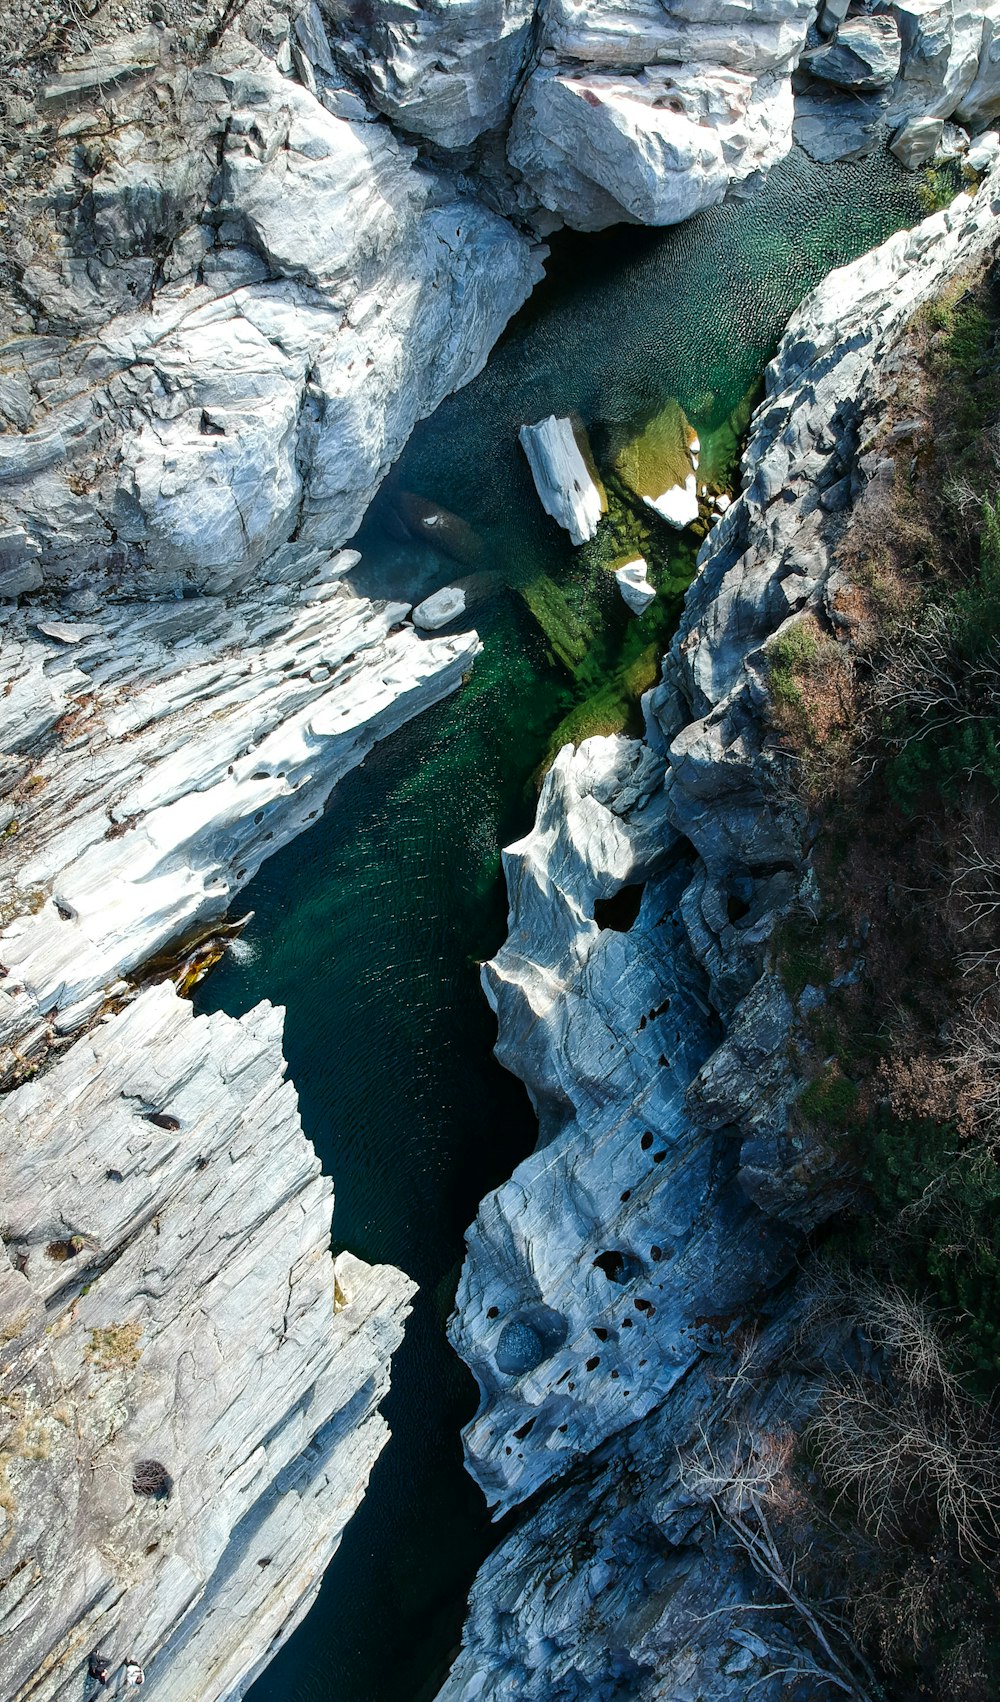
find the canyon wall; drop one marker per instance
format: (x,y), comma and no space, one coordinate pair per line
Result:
(624,1302)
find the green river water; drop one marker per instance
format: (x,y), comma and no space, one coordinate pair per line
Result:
(369,928)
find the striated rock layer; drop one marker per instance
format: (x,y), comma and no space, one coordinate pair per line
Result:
(158,752)
(604,1294)
(189,1379)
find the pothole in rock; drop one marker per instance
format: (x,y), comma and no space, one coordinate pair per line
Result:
(618,1266)
(620,910)
(529,1338)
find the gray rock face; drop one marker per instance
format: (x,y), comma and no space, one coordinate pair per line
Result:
(615,1577)
(446,70)
(189,1379)
(865,55)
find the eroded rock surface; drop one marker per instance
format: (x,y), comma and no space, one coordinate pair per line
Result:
(189,1380)
(155,761)
(608,1580)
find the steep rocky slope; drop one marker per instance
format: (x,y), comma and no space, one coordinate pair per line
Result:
(600,1288)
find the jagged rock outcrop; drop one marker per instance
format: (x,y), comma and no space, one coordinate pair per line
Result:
(563,990)
(445,70)
(592,1285)
(189,1380)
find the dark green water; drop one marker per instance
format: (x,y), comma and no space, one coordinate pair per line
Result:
(368,928)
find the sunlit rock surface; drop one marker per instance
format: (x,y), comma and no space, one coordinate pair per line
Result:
(564,482)
(189,1379)
(609,1579)
(154,763)
(319,296)
(445,70)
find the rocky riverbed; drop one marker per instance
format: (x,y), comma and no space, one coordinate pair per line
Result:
(244,256)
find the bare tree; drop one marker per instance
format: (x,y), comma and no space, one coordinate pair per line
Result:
(743,1486)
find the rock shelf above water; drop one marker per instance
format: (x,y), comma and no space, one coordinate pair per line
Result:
(154,765)
(189,1380)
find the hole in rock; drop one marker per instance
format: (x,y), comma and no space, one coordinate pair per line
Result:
(615,1374)
(620,910)
(524,1429)
(626,1323)
(492,1311)
(209,427)
(736,908)
(600,1332)
(627,1195)
(529,1338)
(618,1266)
(656,1254)
(152,1478)
(658,1157)
(592,1364)
(114,1176)
(647,1141)
(59,1251)
(163,1120)
(645,1306)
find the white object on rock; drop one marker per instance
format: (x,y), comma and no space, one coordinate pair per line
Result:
(633,583)
(562,478)
(440,609)
(679,505)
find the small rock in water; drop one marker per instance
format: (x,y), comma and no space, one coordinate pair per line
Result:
(633,583)
(440,609)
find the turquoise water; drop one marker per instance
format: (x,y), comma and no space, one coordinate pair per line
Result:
(369,928)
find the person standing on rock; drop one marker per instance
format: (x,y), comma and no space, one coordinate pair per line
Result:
(99,1667)
(134,1674)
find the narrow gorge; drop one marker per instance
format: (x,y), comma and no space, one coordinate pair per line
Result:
(281,288)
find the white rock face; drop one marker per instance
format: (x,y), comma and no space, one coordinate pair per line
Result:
(440,609)
(331,297)
(633,583)
(445,70)
(653,148)
(169,1296)
(562,478)
(159,760)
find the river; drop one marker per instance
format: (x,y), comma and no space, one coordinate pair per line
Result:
(370,927)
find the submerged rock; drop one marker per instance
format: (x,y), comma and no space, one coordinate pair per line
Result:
(440,609)
(563,479)
(190,1381)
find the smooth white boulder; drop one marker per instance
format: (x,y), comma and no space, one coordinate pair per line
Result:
(633,583)
(440,609)
(562,478)
(679,505)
